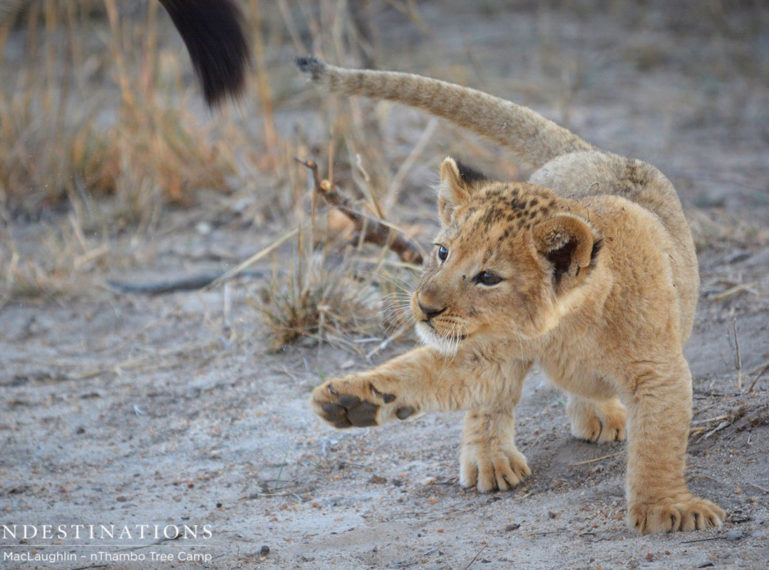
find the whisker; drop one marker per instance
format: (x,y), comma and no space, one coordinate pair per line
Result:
(396,312)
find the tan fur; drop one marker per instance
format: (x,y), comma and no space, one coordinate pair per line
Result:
(535,138)
(590,272)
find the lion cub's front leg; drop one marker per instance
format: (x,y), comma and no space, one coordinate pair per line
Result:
(423,381)
(489,458)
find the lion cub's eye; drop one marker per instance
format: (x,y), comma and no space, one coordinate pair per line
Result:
(487,278)
(443,253)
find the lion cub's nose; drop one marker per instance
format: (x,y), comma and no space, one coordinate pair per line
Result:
(430,312)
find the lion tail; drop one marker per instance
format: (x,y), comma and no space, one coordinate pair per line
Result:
(536,139)
(212,30)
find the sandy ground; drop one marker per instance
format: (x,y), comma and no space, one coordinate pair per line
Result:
(170,411)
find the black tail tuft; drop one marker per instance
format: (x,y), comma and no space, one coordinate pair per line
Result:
(212,30)
(312,65)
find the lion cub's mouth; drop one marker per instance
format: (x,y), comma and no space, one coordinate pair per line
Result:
(447,344)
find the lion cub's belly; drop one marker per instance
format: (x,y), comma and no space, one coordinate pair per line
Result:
(580,378)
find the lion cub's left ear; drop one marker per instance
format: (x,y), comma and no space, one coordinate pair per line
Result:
(568,242)
(457,185)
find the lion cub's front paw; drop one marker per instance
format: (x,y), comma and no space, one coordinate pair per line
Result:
(357,401)
(682,513)
(490,470)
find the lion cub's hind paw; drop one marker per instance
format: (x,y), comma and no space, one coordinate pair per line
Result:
(492,471)
(597,422)
(691,513)
(596,431)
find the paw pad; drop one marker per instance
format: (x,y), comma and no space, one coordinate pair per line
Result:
(348,411)
(404,412)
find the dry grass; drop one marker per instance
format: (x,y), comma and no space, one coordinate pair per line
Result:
(318,301)
(63,138)
(64,265)
(104,124)
(99,106)
(719,229)
(335,290)
(333,304)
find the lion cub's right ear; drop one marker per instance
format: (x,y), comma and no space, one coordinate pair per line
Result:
(457,185)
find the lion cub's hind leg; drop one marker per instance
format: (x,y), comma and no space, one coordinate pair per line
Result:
(489,459)
(596,421)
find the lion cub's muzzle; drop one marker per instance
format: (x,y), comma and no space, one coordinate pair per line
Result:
(428,313)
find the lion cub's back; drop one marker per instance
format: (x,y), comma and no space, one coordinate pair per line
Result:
(582,175)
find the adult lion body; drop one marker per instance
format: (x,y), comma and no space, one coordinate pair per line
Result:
(588,269)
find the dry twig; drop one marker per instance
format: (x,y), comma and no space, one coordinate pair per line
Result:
(477,554)
(747,287)
(757,377)
(596,459)
(238,269)
(724,421)
(737,355)
(371,230)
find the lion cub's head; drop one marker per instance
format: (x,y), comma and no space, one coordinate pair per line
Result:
(509,261)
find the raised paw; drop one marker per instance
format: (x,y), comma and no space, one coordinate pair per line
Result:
(597,422)
(679,514)
(356,402)
(491,470)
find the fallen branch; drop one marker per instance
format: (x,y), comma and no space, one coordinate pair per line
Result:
(185,283)
(371,230)
(203,281)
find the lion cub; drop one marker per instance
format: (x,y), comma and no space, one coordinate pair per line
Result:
(588,270)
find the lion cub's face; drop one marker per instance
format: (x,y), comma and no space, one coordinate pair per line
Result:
(506,257)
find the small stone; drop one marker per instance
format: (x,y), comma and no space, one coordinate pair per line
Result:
(734,535)
(511,527)
(264,550)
